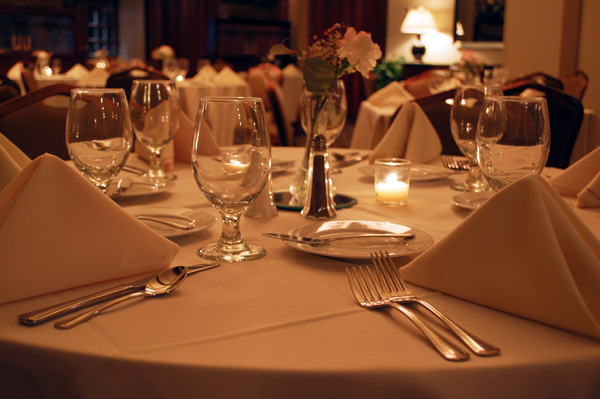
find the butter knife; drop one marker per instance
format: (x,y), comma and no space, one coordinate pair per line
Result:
(326,240)
(48,313)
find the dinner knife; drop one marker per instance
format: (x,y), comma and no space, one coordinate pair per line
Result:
(324,240)
(48,313)
(349,161)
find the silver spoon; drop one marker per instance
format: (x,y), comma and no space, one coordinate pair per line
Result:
(163,283)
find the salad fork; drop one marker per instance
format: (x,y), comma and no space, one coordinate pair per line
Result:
(369,294)
(454,164)
(399,292)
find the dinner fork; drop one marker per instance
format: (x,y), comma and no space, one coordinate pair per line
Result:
(369,294)
(454,164)
(399,292)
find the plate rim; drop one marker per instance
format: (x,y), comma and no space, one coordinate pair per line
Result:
(438,176)
(310,249)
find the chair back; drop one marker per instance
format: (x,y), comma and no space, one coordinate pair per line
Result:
(34,126)
(8,89)
(565,114)
(285,130)
(124,79)
(574,84)
(437,108)
(29,81)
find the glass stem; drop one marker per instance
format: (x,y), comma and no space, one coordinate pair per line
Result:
(230,235)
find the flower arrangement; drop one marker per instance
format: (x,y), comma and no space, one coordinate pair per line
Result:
(163,52)
(341,51)
(470,66)
(101,53)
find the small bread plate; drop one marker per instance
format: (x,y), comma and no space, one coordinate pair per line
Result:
(202,220)
(138,189)
(360,248)
(418,172)
(471,201)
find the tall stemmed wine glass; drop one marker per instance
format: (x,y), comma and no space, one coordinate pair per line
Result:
(155,114)
(464,116)
(231,160)
(513,138)
(99,136)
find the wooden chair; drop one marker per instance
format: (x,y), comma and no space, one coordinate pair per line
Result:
(565,114)
(437,107)
(29,81)
(124,79)
(8,89)
(35,127)
(574,84)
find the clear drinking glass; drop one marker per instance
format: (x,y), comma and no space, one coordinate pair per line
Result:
(464,116)
(337,102)
(170,67)
(183,65)
(513,138)
(155,114)
(99,135)
(235,169)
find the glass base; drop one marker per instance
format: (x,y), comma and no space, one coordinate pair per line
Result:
(218,253)
(470,187)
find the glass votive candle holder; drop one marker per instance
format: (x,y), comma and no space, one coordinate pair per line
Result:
(392,180)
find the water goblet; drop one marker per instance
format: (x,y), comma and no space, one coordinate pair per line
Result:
(99,135)
(464,116)
(513,138)
(155,114)
(170,68)
(233,169)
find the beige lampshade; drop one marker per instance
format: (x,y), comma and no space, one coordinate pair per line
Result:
(418,21)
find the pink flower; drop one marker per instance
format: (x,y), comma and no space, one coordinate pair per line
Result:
(163,52)
(360,51)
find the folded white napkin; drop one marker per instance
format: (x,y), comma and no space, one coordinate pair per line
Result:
(581,179)
(206,73)
(534,259)
(58,231)
(77,71)
(14,73)
(371,124)
(291,70)
(12,161)
(228,76)
(411,135)
(394,94)
(95,77)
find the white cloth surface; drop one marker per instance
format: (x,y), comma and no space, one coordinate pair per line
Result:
(411,135)
(190,92)
(58,231)
(97,77)
(77,71)
(287,325)
(12,161)
(533,258)
(581,179)
(292,87)
(14,74)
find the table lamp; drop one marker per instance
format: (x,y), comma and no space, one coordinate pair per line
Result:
(418,21)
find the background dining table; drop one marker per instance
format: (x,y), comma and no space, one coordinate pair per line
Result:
(191,91)
(287,325)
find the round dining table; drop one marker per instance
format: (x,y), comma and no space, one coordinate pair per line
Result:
(191,91)
(287,325)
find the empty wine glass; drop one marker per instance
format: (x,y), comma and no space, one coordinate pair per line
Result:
(513,138)
(183,65)
(155,114)
(464,116)
(170,68)
(231,160)
(99,136)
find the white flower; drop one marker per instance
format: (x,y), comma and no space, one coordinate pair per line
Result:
(360,51)
(41,54)
(163,52)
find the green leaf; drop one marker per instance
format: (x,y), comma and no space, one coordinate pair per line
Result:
(319,75)
(281,49)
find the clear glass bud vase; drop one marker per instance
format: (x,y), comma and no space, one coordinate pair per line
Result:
(313,110)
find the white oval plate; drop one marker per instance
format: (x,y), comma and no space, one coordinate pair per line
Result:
(471,201)
(360,248)
(137,190)
(202,219)
(418,172)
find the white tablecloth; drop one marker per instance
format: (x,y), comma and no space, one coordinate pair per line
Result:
(190,93)
(287,325)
